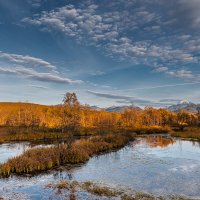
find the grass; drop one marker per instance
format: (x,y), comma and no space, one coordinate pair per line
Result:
(151,130)
(10,134)
(86,186)
(37,160)
(32,137)
(99,190)
(73,187)
(189,133)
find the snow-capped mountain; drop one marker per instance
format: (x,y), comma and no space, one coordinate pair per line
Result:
(186,105)
(115,108)
(121,108)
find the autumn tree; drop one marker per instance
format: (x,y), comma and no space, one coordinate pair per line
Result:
(198,115)
(183,119)
(71,112)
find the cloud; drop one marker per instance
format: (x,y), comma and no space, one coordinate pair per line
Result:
(39,86)
(189,10)
(179,73)
(32,68)
(35,3)
(26,59)
(34,75)
(161,69)
(185,74)
(170,101)
(131,31)
(122,98)
(157,87)
(97,73)
(7,71)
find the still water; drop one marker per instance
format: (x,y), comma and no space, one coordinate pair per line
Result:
(159,165)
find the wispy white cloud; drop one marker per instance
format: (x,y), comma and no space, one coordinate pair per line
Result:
(39,86)
(35,3)
(122,98)
(161,69)
(26,59)
(182,73)
(32,68)
(34,75)
(97,73)
(157,87)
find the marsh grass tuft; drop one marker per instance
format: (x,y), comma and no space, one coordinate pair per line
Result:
(73,187)
(189,133)
(99,190)
(30,136)
(36,160)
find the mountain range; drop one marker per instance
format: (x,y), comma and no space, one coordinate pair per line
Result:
(184,104)
(115,108)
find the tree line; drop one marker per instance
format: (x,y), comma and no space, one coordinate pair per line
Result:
(71,115)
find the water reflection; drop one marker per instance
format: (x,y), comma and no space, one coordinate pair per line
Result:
(62,175)
(154,164)
(10,150)
(158,141)
(196,143)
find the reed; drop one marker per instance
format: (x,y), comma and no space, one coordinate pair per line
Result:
(187,135)
(32,137)
(152,129)
(37,160)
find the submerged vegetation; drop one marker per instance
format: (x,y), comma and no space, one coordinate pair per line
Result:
(41,159)
(72,188)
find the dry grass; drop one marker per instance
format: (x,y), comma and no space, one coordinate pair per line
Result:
(72,187)
(152,130)
(42,159)
(190,132)
(32,136)
(99,190)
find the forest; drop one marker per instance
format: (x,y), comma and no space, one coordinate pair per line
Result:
(71,116)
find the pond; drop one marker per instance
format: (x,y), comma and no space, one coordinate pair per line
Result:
(157,164)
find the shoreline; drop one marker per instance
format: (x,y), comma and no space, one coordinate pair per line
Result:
(34,161)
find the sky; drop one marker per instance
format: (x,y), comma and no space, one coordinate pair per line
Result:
(116,52)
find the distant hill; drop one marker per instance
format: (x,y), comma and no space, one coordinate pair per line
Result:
(96,108)
(120,108)
(114,108)
(186,105)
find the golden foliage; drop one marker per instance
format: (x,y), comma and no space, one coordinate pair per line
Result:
(82,119)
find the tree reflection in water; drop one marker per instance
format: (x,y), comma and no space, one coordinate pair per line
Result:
(159,141)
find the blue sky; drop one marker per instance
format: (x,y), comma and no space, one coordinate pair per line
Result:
(116,52)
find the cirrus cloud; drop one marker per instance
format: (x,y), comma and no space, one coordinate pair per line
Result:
(26,59)
(34,75)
